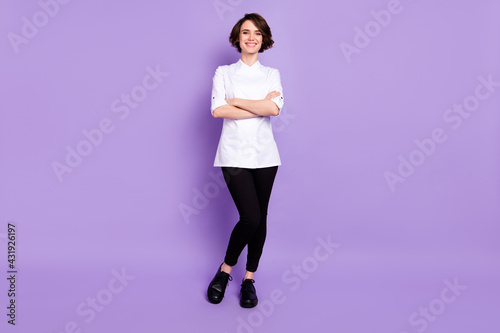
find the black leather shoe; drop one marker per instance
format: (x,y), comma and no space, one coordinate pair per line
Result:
(248,295)
(217,287)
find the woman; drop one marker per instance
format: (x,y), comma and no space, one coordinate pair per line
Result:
(245,94)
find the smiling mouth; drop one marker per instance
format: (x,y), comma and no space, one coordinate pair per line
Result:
(251,44)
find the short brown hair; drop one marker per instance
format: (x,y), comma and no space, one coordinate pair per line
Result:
(261,24)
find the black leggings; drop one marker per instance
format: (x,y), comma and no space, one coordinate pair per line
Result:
(250,190)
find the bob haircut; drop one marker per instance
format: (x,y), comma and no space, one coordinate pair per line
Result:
(261,24)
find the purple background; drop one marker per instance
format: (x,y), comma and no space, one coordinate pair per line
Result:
(344,125)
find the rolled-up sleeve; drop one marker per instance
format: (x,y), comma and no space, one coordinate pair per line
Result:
(276,85)
(218,90)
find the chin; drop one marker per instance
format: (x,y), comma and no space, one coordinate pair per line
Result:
(251,51)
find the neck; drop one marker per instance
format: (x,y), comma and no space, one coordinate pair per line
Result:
(249,59)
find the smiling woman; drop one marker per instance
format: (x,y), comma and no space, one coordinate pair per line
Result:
(244,28)
(245,94)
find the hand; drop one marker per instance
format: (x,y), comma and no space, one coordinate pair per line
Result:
(272,94)
(229,101)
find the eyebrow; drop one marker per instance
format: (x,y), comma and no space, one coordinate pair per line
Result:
(249,30)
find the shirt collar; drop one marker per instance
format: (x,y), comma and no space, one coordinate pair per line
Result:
(241,64)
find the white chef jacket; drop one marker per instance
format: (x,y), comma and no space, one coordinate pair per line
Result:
(246,143)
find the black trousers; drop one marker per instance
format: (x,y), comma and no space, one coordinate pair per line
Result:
(250,190)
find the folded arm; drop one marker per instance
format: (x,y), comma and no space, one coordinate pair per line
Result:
(232,112)
(264,107)
(239,108)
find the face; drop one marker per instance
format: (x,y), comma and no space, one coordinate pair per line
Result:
(250,38)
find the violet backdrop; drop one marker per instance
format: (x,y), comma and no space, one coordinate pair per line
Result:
(384,215)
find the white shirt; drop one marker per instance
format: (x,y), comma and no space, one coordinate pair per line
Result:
(246,143)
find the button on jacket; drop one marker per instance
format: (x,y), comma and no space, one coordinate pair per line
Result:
(246,143)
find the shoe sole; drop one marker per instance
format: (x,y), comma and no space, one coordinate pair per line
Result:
(248,305)
(214,302)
